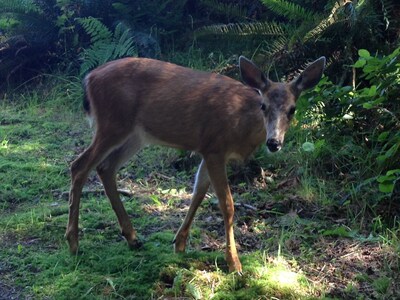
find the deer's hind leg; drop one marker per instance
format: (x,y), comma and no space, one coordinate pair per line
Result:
(107,171)
(80,169)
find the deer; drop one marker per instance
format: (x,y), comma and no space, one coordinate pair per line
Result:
(135,102)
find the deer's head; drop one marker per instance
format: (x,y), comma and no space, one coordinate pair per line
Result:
(279,99)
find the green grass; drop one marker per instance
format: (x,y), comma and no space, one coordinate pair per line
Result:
(294,244)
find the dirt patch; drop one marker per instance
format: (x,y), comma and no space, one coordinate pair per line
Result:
(347,267)
(7,289)
(8,292)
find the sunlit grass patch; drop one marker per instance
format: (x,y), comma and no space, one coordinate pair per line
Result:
(259,280)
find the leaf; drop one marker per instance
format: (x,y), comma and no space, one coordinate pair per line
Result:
(386,187)
(360,63)
(386,178)
(364,53)
(339,231)
(372,91)
(391,172)
(383,136)
(156,200)
(387,182)
(368,105)
(308,147)
(393,150)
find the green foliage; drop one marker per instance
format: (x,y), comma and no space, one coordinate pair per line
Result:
(105,45)
(19,6)
(96,30)
(290,10)
(225,10)
(291,33)
(383,74)
(265,29)
(362,122)
(8,24)
(166,14)
(388,181)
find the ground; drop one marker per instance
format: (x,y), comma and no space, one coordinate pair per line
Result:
(292,244)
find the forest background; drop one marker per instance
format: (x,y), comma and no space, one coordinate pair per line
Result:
(325,210)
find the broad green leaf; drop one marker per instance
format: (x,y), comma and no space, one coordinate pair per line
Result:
(393,150)
(386,187)
(387,177)
(381,159)
(308,147)
(368,105)
(372,91)
(383,136)
(360,63)
(370,68)
(364,53)
(391,172)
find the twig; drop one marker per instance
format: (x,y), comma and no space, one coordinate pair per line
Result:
(123,192)
(248,206)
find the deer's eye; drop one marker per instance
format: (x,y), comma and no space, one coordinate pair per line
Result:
(291,111)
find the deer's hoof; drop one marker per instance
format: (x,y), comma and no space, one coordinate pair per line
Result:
(234,265)
(179,243)
(135,244)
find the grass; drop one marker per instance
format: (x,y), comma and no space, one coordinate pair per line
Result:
(294,242)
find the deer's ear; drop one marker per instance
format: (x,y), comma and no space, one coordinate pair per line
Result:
(310,76)
(252,75)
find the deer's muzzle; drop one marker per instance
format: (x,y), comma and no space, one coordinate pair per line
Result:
(274,145)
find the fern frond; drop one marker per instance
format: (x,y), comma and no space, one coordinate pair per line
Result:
(123,45)
(95,29)
(292,11)
(19,6)
(230,10)
(323,25)
(241,29)
(278,45)
(388,7)
(96,55)
(119,44)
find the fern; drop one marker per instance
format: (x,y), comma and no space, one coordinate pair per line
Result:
(259,28)
(106,46)
(278,45)
(290,10)
(95,29)
(19,6)
(388,7)
(225,9)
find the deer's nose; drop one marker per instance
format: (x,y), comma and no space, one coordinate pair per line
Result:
(274,145)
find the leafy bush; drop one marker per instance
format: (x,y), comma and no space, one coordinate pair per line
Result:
(356,131)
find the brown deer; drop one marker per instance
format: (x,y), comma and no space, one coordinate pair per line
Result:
(135,102)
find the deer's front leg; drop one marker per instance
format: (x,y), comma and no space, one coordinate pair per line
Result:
(217,172)
(200,189)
